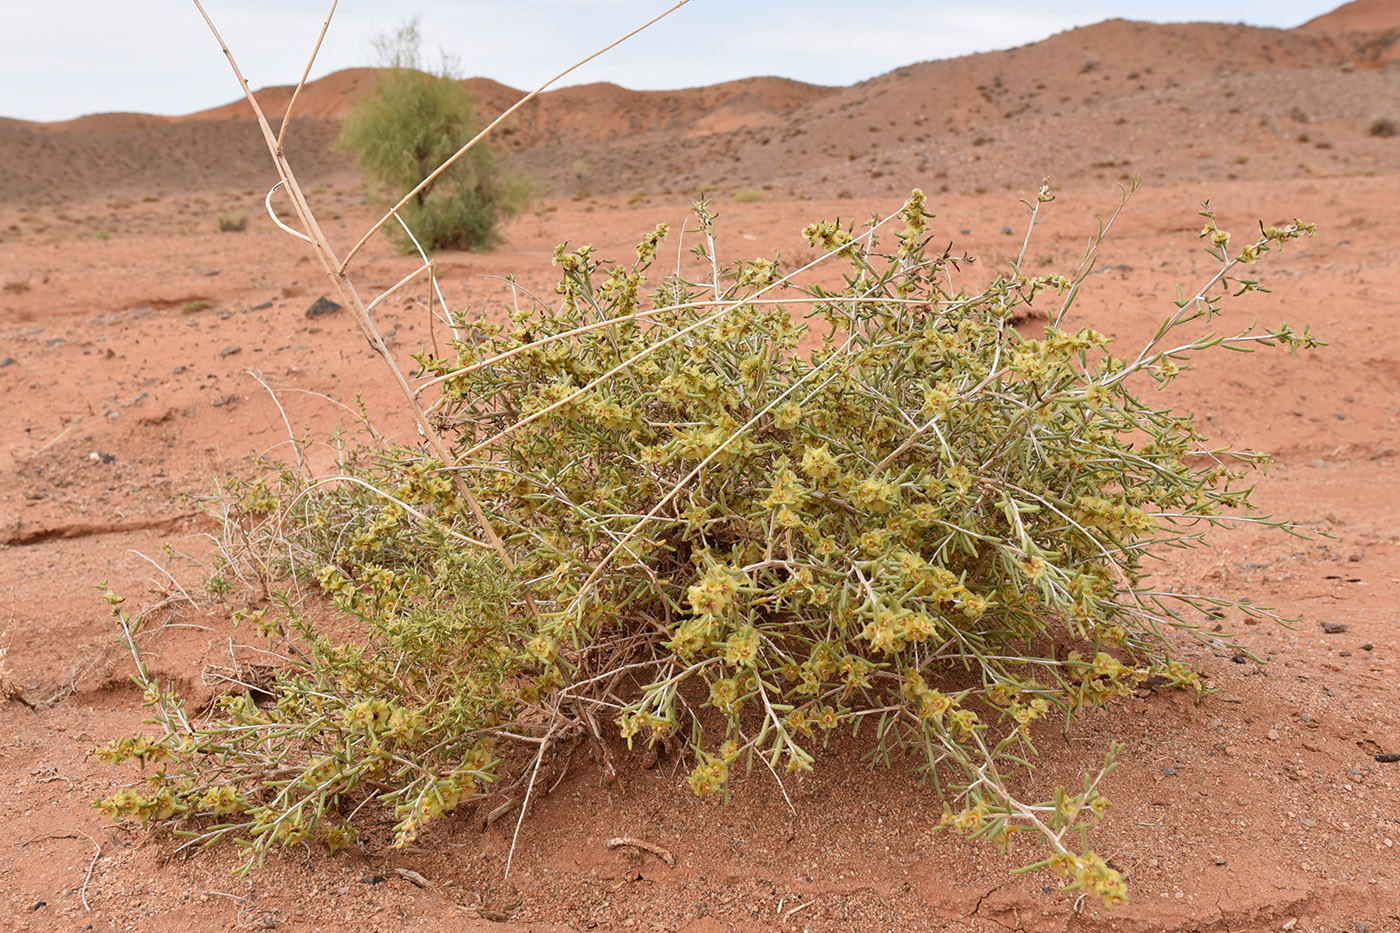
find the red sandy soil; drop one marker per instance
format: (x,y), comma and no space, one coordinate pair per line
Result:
(1261,808)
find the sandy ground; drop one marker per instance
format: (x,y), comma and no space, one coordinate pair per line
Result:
(143,354)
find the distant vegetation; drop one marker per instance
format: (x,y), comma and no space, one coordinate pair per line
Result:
(413,122)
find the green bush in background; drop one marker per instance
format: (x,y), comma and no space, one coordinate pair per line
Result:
(412,123)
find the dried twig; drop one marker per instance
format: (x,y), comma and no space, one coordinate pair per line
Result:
(656,850)
(529,790)
(291,104)
(413,877)
(91,865)
(334,269)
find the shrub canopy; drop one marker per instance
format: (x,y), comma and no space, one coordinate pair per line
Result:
(413,122)
(744,514)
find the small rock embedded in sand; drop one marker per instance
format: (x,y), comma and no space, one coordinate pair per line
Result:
(7,361)
(230,351)
(322,306)
(1334,628)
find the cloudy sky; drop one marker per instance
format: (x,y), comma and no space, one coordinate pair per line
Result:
(63,58)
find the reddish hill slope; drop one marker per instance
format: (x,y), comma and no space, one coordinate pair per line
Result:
(1358,16)
(1098,102)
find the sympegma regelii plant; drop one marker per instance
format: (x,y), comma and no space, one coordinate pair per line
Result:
(401,711)
(741,530)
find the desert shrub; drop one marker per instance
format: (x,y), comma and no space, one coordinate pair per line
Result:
(233,223)
(412,123)
(735,531)
(1382,127)
(748,195)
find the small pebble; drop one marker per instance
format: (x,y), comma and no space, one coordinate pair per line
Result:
(322,306)
(1219,860)
(1334,628)
(230,351)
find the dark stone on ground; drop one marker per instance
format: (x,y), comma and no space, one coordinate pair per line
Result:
(322,306)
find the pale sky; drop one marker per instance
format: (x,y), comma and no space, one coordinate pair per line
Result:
(63,58)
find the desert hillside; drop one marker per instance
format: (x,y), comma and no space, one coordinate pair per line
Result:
(1096,102)
(1367,16)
